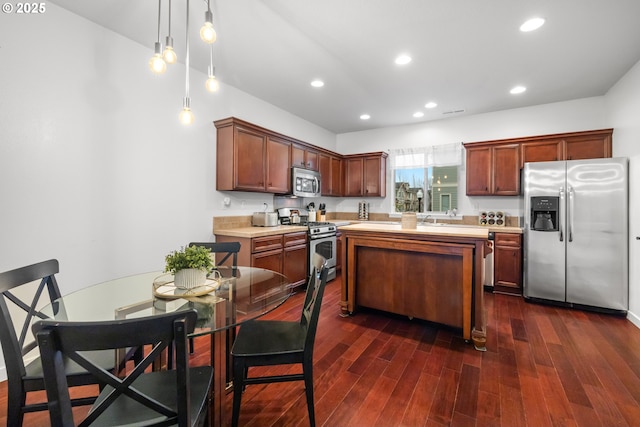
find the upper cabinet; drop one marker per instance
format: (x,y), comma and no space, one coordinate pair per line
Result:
(304,157)
(493,170)
(568,146)
(493,167)
(365,175)
(330,174)
(250,159)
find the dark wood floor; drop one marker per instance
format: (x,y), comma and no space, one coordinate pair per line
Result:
(544,366)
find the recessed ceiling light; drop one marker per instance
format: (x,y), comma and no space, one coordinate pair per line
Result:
(532,24)
(430,105)
(418,114)
(317,83)
(365,117)
(517,89)
(403,59)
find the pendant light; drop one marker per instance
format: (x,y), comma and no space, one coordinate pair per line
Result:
(156,63)
(207,33)
(186,116)
(212,83)
(169,54)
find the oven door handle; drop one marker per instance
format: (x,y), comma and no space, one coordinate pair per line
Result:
(321,236)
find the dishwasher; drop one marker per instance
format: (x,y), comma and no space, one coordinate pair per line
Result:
(488,275)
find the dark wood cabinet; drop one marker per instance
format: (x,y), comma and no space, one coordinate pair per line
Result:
(295,258)
(571,146)
(248,158)
(338,251)
(541,151)
(493,170)
(507,260)
(331,174)
(304,157)
(365,175)
(285,253)
(493,167)
(278,171)
(592,145)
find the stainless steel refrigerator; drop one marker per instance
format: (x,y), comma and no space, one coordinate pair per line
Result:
(576,232)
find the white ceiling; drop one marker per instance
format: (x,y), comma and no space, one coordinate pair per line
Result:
(467,54)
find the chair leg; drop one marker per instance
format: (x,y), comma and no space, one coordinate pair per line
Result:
(239,374)
(308,389)
(16,399)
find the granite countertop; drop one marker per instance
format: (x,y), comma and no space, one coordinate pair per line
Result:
(439,230)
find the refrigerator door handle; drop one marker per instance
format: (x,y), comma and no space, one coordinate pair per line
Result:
(560,221)
(570,213)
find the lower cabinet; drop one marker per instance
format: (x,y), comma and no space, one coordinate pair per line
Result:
(284,253)
(507,258)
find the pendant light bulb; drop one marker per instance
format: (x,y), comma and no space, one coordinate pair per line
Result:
(212,84)
(186,116)
(207,33)
(156,63)
(169,55)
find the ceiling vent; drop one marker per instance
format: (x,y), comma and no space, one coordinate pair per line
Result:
(454,111)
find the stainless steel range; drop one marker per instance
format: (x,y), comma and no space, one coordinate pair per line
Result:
(322,240)
(322,236)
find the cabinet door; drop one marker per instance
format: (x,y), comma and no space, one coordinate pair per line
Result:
(303,157)
(295,263)
(278,171)
(311,159)
(326,180)
(506,170)
(353,177)
(331,175)
(541,151)
(374,177)
(479,171)
(508,263)
(270,260)
(336,176)
(249,164)
(588,147)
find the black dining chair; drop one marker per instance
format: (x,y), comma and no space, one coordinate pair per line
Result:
(24,370)
(152,398)
(273,342)
(227,250)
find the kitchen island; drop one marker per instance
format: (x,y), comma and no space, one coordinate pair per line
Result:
(432,272)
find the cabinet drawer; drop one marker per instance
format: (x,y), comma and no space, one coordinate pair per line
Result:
(507,239)
(292,239)
(260,244)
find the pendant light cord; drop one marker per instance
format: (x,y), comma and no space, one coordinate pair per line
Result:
(159,8)
(186,85)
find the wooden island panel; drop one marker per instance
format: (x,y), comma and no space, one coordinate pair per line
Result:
(430,277)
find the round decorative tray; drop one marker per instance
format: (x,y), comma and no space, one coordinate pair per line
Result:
(168,290)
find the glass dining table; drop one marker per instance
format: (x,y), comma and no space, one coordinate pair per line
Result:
(233,296)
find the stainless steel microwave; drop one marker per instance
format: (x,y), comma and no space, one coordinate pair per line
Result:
(305,182)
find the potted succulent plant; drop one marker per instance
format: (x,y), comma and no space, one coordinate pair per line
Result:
(190,266)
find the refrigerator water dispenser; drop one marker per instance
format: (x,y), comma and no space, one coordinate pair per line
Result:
(544,213)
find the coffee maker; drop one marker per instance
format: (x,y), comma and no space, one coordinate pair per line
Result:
(544,213)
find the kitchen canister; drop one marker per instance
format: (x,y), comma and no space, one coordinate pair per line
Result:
(409,220)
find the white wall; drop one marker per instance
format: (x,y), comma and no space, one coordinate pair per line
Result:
(623,109)
(95,169)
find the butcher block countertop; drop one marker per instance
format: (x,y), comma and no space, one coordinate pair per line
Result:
(422,229)
(250,232)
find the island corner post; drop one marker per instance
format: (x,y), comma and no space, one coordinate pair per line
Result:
(430,276)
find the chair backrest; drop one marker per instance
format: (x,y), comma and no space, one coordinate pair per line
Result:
(229,248)
(14,347)
(313,300)
(58,340)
